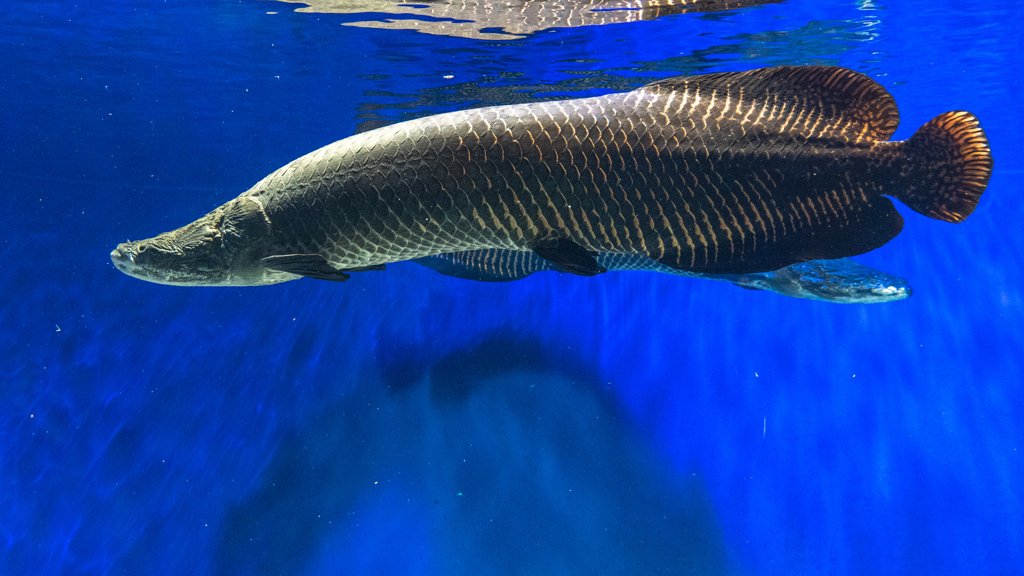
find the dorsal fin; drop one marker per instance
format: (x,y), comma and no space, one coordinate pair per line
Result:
(810,101)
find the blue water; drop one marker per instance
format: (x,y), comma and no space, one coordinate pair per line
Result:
(408,423)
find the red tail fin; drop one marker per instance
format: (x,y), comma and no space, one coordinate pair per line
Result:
(950,167)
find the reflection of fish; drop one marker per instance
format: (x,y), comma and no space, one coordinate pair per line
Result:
(468,444)
(726,173)
(509,19)
(842,281)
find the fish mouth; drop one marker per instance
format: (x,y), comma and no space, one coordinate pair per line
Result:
(138,263)
(123,258)
(881,294)
(893,292)
(853,293)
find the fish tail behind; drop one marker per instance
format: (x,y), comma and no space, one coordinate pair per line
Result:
(950,164)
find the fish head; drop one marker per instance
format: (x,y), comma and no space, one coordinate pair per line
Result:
(842,281)
(222,248)
(876,289)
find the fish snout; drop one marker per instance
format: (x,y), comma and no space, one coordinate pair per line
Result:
(122,254)
(894,291)
(123,258)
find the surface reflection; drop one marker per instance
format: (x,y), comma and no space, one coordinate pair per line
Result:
(511,19)
(812,43)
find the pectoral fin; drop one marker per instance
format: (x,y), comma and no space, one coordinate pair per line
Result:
(374,268)
(308,265)
(568,256)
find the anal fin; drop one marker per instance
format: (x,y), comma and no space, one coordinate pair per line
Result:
(568,256)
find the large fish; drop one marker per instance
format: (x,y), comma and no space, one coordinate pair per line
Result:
(841,281)
(726,173)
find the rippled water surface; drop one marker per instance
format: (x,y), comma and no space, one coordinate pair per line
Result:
(409,423)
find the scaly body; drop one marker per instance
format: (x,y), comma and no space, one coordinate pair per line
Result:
(723,173)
